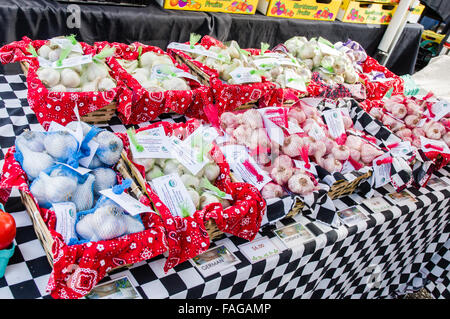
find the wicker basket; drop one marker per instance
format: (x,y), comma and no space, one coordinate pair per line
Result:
(40,227)
(343,187)
(100,116)
(211,227)
(205,78)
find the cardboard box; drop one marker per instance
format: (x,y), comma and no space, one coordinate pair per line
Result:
(229,6)
(300,9)
(366,12)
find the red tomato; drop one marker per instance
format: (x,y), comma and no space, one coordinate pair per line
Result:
(7,229)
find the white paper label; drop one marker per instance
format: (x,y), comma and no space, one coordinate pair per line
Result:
(64,43)
(156,131)
(173,194)
(187,156)
(347,167)
(244,75)
(208,135)
(86,161)
(301,164)
(197,49)
(44,62)
(440,109)
(214,260)
(66,215)
(236,156)
(274,132)
(316,132)
(335,122)
(327,50)
(161,72)
(153,146)
(402,149)
(294,81)
(259,249)
(131,205)
(265,63)
(381,173)
(426,145)
(294,235)
(293,128)
(73,61)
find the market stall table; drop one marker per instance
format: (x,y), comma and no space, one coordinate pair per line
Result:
(372,259)
(156,26)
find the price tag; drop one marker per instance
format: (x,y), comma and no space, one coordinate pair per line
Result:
(66,215)
(174,195)
(153,146)
(335,122)
(197,49)
(161,72)
(236,156)
(244,75)
(381,173)
(301,164)
(316,132)
(402,149)
(259,249)
(73,61)
(131,205)
(429,145)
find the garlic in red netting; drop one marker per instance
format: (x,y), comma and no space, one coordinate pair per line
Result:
(369,153)
(281,175)
(259,138)
(292,145)
(228,120)
(404,133)
(129,65)
(252,118)
(446,138)
(412,120)
(43,51)
(341,152)
(283,161)
(49,77)
(320,149)
(329,144)
(301,183)
(434,131)
(242,133)
(348,122)
(399,111)
(272,190)
(355,154)
(418,131)
(331,164)
(392,123)
(376,113)
(297,114)
(354,142)
(413,108)
(106,84)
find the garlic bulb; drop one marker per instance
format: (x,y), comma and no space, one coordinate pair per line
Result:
(190,180)
(83,196)
(37,188)
(54,55)
(207,198)
(147,59)
(70,78)
(194,196)
(211,171)
(31,139)
(174,84)
(95,71)
(132,224)
(272,190)
(173,166)
(58,88)
(148,163)
(110,147)
(34,162)
(106,84)
(58,188)
(60,145)
(105,178)
(49,77)
(300,183)
(155,172)
(43,51)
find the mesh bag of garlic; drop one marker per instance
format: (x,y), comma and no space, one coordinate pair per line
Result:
(188,181)
(156,83)
(423,122)
(67,172)
(235,83)
(62,74)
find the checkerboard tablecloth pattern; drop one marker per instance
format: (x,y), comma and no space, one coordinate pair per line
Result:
(372,259)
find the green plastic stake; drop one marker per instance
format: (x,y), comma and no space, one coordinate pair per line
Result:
(72,39)
(184,209)
(205,183)
(32,50)
(264,47)
(106,52)
(64,53)
(193,39)
(131,133)
(257,72)
(139,52)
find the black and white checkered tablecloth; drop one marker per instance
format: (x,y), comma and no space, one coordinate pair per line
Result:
(394,252)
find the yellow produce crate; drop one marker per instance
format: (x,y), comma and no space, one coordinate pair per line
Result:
(366,12)
(300,9)
(229,6)
(416,13)
(433,36)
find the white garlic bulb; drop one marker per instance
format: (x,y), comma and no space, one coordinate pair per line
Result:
(147,58)
(70,78)
(106,84)
(49,77)
(174,84)
(43,51)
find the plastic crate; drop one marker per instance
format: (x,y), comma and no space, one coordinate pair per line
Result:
(133,3)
